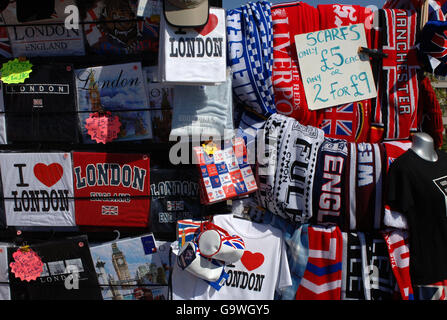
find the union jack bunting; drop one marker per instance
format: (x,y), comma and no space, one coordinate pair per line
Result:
(109,210)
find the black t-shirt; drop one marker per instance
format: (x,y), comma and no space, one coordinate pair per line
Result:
(418,189)
(59,257)
(175,195)
(43,107)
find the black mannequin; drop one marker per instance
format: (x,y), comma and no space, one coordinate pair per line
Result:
(424,147)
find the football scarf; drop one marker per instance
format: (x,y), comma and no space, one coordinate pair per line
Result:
(295,170)
(399,253)
(394,149)
(329,188)
(275,129)
(366,165)
(366,268)
(394,115)
(250,55)
(290,19)
(434,291)
(348,121)
(352,287)
(323,275)
(436,8)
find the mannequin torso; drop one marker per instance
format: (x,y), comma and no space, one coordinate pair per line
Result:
(423,146)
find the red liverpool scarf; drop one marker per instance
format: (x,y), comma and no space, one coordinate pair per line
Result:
(290,19)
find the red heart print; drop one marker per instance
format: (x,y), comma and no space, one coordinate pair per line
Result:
(49,175)
(251,260)
(210,26)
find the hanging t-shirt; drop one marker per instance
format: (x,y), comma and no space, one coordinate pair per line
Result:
(38,189)
(68,272)
(119,89)
(32,33)
(262,270)
(43,107)
(124,37)
(184,55)
(175,195)
(3,139)
(417,189)
(203,111)
(131,269)
(5,291)
(111,189)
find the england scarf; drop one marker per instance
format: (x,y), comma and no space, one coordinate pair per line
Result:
(366,271)
(330,187)
(250,55)
(365,181)
(348,121)
(323,275)
(290,19)
(399,252)
(394,115)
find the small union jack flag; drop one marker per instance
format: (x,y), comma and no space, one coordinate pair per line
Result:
(109,210)
(234,242)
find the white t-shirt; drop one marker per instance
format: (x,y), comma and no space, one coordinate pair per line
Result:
(262,269)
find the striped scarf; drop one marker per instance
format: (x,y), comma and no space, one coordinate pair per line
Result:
(250,55)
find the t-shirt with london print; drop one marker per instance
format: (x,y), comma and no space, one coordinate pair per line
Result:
(262,270)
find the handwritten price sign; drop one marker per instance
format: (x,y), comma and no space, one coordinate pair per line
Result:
(333,71)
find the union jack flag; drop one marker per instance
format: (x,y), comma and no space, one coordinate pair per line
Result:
(435,291)
(440,43)
(187,229)
(109,210)
(234,242)
(338,122)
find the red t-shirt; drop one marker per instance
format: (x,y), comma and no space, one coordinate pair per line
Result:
(111,189)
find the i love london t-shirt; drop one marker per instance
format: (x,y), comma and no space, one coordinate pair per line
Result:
(38,189)
(262,269)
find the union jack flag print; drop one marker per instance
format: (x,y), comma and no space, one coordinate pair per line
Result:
(109,210)
(235,242)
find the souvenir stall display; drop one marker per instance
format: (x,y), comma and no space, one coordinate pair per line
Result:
(176,150)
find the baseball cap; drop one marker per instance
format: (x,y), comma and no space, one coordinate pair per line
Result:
(186,13)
